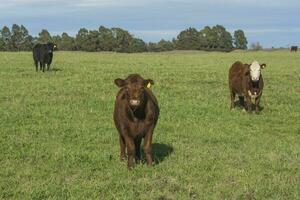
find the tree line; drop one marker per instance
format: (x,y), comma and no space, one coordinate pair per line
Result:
(215,38)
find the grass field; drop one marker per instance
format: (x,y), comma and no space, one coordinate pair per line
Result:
(58,140)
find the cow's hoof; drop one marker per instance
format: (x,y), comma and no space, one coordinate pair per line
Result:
(130,167)
(122,158)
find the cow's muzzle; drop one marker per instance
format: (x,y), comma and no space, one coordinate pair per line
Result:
(134,102)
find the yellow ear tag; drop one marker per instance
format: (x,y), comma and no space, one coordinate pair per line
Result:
(149,85)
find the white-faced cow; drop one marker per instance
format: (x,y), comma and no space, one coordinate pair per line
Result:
(246,81)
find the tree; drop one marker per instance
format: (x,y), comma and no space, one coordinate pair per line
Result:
(188,39)
(137,45)
(106,39)
(2,45)
(81,39)
(153,47)
(2,42)
(67,43)
(44,36)
(56,39)
(27,40)
(123,40)
(16,37)
(164,45)
(209,38)
(93,42)
(256,46)
(120,40)
(240,41)
(222,38)
(6,37)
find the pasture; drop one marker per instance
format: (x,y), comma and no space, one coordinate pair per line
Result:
(58,140)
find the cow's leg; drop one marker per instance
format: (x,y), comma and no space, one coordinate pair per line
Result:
(148,145)
(122,148)
(130,151)
(36,63)
(257,100)
(232,97)
(41,66)
(137,143)
(48,67)
(242,101)
(248,104)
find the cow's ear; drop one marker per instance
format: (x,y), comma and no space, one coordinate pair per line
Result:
(148,83)
(262,66)
(120,82)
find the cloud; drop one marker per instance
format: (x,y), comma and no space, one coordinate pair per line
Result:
(72,3)
(273,30)
(108,3)
(127,3)
(157,19)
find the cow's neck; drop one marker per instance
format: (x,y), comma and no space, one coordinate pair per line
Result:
(254,84)
(139,112)
(253,90)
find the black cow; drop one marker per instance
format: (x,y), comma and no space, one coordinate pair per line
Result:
(294,48)
(43,54)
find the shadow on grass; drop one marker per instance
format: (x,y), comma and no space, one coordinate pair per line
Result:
(55,69)
(240,103)
(160,152)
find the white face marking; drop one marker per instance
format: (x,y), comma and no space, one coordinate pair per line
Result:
(255,71)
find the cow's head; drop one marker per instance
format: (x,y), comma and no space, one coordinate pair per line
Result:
(254,70)
(134,86)
(51,46)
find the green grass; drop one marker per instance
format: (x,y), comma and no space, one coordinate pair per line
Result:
(58,140)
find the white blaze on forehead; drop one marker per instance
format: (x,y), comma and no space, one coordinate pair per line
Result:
(255,71)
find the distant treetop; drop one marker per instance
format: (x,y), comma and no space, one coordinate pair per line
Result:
(214,38)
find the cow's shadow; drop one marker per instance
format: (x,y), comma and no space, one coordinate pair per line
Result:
(54,69)
(240,103)
(160,152)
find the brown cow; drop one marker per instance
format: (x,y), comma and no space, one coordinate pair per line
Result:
(135,115)
(246,81)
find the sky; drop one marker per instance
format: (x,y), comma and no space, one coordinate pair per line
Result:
(272,23)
